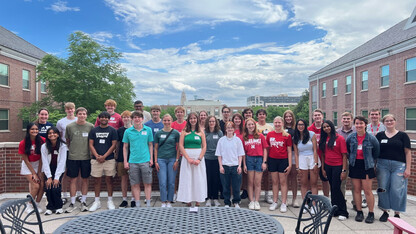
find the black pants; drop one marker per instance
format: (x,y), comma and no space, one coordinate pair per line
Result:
(213,178)
(337,198)
(53,195)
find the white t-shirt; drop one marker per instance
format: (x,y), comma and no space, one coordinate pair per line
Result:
(230,149)
(61,126)
(306,149)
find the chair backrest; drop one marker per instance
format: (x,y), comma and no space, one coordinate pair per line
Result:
(15,219)
(319,215)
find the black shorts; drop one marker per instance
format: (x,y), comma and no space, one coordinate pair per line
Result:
(358,171)
(277,165)
(73,167)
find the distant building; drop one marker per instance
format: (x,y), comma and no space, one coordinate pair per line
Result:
(18,86)
(379,74)
(282,100)
(212,107)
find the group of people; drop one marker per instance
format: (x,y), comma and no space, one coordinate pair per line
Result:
(217,158)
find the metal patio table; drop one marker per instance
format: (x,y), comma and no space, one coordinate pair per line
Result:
(173,220)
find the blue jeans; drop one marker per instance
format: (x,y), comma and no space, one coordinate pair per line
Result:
(167,177)
(392,186)
(233,179)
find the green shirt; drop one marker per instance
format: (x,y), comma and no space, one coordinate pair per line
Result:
(168,149)
(77,135)
(139,143)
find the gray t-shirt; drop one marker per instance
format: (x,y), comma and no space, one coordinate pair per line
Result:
(374,129)
(168,149)
(78,140)
(212,139)
(61,125)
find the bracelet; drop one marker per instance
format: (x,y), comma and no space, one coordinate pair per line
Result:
(316,164)
(265,162)
(344,171)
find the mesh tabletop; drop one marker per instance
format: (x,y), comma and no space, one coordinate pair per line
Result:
(173,220)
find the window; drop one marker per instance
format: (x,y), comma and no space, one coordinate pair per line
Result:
(216,111)
(4,120)
(4,74)
(43,86)
(384,112)
(335,118)
(385,71)
(348,84)
(411,69)
(324,115)
(323,89)
(410,118)
(314,96)
(364,113)
(26,79)
(335,88)
(364,80)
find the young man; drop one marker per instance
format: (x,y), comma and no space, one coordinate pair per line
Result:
(375,126)
(76,135)
(155,123)
(180,122)
(121,171)
(61,126)
(318,118)
(226,112)
(138,106)
(139,139)
(115,119)
(102,142)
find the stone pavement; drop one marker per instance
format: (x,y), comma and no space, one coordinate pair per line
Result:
(339,227)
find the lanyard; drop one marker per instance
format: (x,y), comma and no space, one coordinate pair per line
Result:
(372,131)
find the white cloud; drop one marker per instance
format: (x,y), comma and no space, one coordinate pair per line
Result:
(101,37)
(61,6)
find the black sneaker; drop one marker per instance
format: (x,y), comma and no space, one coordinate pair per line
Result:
(64,201)
(359,217)
(133,204)
(123,204)
(244,194)
(384,217)
(397,216)
(370,217)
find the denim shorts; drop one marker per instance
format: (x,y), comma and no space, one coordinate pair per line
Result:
(254,163)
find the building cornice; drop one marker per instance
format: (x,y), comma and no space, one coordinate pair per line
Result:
(19,56)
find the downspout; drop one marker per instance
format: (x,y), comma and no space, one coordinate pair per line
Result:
(354,109)
(36,82)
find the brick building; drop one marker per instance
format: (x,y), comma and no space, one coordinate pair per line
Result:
(282,100)
(380,74)
(18,86)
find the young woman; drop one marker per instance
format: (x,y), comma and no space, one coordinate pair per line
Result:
(238,121)
(363,150)
(279,161)
(29,149)
(193,177)
(212,134)
(255,146)
(42,122)
(306,157)
(180,122)
(230,154)
(202,119)
(54,153)
(334,154)
(247,113)
(166,157)
(290,122)
(393,168)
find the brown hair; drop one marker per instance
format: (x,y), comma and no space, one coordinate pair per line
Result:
(241,127)
(110,102)
(188,127)
(293,124)
(217,127)
(246,133)
(126,113)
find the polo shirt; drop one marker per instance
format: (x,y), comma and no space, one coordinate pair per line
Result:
(139,143)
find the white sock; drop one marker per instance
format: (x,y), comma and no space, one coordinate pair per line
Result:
(132,199)
(97,199)
(110,198)
(124,198)
(73,200)
(84,198)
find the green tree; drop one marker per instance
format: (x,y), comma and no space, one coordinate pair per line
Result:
(301,110)
(90,75)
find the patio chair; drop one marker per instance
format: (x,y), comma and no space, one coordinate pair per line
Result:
(319,215)
(401,226)
(16,220)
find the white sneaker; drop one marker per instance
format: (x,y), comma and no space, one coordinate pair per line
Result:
(95,206)
(313,210)
(163,204)
(342,218)
(70,208)
(257,205)
(208,203)
(40,210)
(273,206)
(295,203)
(364,203)
(217,203)
(268,198)
(174,197)
(251,205)
(283,208)
(169,205)
(59,211)
(84,207)
(29,208)
(236,205)
(305,209)
(226,206)
(48,212)
(110,205)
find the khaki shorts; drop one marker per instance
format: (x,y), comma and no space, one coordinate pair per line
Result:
(121,171)
(107,168)
(140,172)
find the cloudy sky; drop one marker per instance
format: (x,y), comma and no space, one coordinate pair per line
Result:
(223,50)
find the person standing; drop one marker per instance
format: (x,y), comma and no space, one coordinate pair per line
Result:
(290,122)
(393,168)
(180,122)
(138,140)
(115,120)
(42,122)
(202,115)
(79,160)
(248,113)
(155,123)
(226,112)
(138,106)
(375,126)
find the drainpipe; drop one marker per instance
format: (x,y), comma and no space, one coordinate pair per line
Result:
(354,109)
(36,82)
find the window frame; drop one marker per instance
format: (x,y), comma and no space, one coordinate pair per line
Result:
(348,86)
(28,79)
(382,85)
(8,75)
(335,87)
(406,71)
(364,82)
(406,119)
(8,121)
(335,118)
(323,90)
(366,113)
(384,110)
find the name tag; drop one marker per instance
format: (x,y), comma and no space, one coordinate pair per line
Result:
(265,132)
(55,152)
(214,136)
(144,133)
(196,137)
(335,143)
(85,134)
(156,129)
(384,141)
(102,141)
(360,147)
(287,130)
(112,118)
(163,136)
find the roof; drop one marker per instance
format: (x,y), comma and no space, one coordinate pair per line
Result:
(14,42)
(395,35)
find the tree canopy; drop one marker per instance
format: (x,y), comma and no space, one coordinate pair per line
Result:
(301,110)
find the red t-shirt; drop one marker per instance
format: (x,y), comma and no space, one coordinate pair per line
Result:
(254,147)
(115,121)
(333,157)
(316,130)
(360,154)
(278,144)
(238,134)
(177,126)
(33,157)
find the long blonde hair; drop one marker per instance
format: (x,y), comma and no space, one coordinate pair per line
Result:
(284,133)
(293,124)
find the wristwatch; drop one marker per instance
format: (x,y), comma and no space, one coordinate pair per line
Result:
(344,171)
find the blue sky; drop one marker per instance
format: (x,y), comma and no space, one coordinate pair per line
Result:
(223,50)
